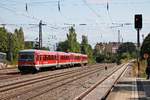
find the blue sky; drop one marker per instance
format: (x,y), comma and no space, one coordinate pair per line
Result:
(93,13)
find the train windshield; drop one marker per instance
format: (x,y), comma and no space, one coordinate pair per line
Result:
(26,57)
(2,57)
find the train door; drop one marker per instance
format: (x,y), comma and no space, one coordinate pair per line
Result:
(58,60)
(41,61)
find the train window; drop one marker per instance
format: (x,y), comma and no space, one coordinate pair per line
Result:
(44,57)
(76,57)
(49,58)
(40,58)
(68,57)
(2,57)
(26,57)
(37,58)
(61,57)
(54,57)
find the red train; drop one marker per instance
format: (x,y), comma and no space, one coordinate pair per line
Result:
(33,60)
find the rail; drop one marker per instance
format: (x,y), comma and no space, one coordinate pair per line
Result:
(88,72)
(103,97)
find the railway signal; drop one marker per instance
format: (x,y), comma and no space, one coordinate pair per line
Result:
(138,21)
(138,27)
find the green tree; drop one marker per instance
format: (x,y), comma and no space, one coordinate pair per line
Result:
(127,47)
(28,45)
(15,46)
(73,45)
(100,58)
(17,42)
(84,45)
(126,51)
(3,40)
(11,43)
(62,46)
(20,36)
(87,49)
(90,54)
(145,48)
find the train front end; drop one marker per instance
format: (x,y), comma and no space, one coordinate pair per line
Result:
(26,61)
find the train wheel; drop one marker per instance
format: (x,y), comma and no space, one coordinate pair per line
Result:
(34,71)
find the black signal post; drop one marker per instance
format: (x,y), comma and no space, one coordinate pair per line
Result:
(138,27)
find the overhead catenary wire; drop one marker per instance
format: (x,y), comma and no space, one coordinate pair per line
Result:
(25,15)
(19,13)
(94,12)
(56,1)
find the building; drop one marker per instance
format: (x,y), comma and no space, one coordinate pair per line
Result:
(106,48)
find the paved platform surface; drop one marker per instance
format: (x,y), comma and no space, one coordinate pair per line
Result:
(143,87)
(130,88)
(125,89)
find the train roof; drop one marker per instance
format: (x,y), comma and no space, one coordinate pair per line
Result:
(51,52)
(75,53)
(27,50)
(62,53)
(2,53)
(35,51)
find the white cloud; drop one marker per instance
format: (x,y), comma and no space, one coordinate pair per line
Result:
(97,1)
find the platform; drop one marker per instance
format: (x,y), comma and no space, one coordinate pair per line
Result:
(131,89)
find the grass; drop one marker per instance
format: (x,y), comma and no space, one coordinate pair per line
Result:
(142,69)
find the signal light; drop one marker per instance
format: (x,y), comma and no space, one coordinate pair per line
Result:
(138,21)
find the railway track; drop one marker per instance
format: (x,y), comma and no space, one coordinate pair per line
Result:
(36,79)
(5,76)
(12,86)
(8,73)
(111,79)
(70,80)
(7,68)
